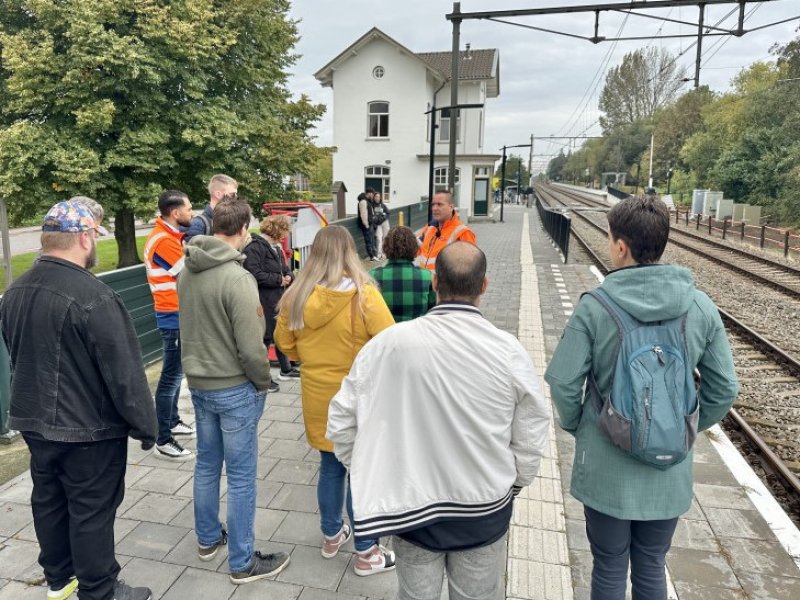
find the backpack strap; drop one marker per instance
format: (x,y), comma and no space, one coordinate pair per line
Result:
(206,223)
(625,323)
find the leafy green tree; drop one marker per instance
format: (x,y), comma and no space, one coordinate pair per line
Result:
(555,170)
(515,166)
(646,80)
(320,174)
(118,99)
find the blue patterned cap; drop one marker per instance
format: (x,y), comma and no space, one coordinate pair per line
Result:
(71,217)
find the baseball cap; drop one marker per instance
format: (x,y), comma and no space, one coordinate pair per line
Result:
(71,217)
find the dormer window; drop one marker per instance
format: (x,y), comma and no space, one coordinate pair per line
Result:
(378,119)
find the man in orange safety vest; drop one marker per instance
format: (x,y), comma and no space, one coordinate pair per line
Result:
(445,229)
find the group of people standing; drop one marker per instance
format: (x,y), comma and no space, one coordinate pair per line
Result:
(420,436)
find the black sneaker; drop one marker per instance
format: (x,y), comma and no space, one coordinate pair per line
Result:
(274,387)
(289,375)
(123,591)
(206,553)
(263,566)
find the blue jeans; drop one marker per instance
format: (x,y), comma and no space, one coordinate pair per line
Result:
(227,430)
(169,384)
(615,542)
(331,496)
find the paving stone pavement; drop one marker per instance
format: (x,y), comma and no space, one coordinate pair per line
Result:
(531,294)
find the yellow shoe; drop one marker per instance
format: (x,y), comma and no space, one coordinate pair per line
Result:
(64,592)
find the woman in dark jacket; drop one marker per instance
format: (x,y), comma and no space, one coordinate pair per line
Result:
(264,258)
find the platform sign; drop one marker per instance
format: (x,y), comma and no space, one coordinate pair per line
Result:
(667,199)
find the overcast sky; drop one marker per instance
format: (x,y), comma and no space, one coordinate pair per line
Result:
(548,83)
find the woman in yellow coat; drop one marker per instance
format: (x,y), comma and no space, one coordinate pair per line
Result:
(330,311)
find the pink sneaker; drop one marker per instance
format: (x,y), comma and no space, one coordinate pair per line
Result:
(373,561)
(330,546)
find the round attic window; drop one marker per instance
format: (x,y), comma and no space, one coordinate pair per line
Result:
(378,72)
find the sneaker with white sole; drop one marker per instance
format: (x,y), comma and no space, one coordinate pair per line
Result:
(274,388)
(263,566)
(331,545)
(207,553)
(172,450)
(63,592)
(183,430)
(289,375)
(373,561)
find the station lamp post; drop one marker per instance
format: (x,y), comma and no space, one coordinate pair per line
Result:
(454,116)
(503,175)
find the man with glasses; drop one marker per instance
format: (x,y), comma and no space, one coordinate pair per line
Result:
(78,391)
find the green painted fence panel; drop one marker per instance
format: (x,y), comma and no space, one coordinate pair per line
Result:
(131,284)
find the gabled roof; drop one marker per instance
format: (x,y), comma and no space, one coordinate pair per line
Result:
(483,64)
(325,74)
(475,64)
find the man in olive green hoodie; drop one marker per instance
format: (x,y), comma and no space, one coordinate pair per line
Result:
(632,508)
(225,361)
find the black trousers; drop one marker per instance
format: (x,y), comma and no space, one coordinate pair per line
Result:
(369,241)
(77,488)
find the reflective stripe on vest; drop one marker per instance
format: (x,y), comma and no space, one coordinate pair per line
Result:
(455,233)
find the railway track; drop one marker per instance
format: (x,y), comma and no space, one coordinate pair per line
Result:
(766,416)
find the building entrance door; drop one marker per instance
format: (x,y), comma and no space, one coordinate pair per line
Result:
(480,197)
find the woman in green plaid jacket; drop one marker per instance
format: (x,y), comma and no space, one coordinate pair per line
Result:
(405,287)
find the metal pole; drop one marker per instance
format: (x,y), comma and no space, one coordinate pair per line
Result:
(431,161)
(652,143)
(700,24)
(4,232)
(454,112)
(530,164)
(503,184)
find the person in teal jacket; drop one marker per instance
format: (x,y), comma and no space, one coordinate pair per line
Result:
(632,508)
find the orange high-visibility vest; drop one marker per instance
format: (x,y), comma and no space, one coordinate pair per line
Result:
(163,260)
(435,238)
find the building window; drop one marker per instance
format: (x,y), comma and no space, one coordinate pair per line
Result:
(377,177)
(440,178)
(378,72)
(378,124)
(444,126)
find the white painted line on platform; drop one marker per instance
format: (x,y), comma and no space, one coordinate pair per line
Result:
(779,522)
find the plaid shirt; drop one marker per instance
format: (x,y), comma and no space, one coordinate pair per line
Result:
(406,289)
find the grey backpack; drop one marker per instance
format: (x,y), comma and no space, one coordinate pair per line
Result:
(652,411)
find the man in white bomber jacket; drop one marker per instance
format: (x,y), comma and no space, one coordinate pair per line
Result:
(441,421)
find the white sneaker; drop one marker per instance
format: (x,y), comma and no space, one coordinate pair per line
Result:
(183,430)
(173,451)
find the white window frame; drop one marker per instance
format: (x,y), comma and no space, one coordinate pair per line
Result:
(380,172)
(440,178)
(442,127)
(377,115)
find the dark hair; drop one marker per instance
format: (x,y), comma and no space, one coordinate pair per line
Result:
(400,244)
(370,190)
(169,200)
(643,224)
(231,214)
(460,271)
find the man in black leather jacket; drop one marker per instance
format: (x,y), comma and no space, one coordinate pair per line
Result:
(78,391)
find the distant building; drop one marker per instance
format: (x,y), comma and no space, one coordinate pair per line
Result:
(381,91)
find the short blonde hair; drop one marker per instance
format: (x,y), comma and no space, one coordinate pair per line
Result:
(58,240)
(276,226)
(219,181)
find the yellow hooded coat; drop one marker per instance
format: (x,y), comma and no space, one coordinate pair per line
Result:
(332,335)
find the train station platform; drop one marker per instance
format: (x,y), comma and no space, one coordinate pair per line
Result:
(733,543)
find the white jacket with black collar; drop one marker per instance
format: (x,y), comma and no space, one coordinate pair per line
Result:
(438,419)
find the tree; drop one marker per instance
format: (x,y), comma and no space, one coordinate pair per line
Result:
(555,170)
(320,174)
(118,99)
(516,170)
(646,80)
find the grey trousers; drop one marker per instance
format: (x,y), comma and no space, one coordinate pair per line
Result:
(471,574)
